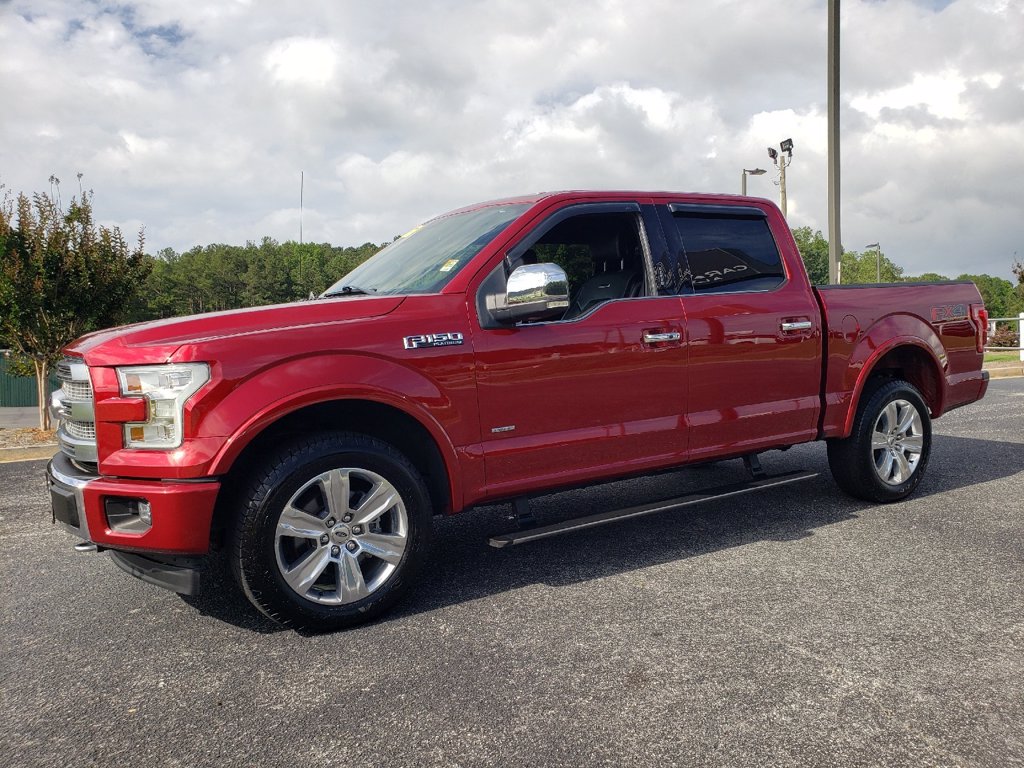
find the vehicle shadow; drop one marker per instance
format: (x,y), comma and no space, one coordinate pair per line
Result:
(465,568)
(222,599)
(462,567)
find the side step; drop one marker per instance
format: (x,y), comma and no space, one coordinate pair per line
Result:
(601,518)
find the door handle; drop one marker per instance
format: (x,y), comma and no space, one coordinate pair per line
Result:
(653,337)
(798,325)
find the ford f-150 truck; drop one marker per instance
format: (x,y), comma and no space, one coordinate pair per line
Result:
(494,353)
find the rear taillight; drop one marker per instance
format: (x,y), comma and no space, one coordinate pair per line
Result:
(980,316)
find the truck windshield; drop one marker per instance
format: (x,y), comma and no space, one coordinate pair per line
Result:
(425,259)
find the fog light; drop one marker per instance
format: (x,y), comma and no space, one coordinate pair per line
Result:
(128,515)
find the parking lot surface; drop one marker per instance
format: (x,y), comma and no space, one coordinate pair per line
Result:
(794,627)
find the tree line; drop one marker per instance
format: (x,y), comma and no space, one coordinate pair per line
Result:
(1002,298)
(63,275)
(215,277)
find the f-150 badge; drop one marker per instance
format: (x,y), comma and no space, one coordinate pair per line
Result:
(450,339)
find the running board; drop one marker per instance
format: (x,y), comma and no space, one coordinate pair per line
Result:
(601,518)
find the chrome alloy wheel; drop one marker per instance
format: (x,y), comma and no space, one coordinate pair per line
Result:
(897,441)
(341,536)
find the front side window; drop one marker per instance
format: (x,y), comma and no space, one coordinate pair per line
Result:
(602,255)
(728,253)
(427,258)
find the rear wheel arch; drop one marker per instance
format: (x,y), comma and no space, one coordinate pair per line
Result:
(903,360)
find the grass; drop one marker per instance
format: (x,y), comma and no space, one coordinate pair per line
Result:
(1002,357)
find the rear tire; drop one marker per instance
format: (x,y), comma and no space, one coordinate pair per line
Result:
(331,531)
(886,454)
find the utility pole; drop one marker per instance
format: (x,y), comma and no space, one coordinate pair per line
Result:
(782,162)
(302,190)
(835,246)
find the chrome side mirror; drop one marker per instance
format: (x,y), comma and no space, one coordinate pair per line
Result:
(534,292)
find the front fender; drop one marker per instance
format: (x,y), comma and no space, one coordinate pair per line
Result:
(274,392)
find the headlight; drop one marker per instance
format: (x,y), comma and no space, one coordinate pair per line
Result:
(166,388)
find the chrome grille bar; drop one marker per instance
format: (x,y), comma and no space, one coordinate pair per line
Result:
(72,406)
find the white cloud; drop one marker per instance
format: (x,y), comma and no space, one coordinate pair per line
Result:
(197,118)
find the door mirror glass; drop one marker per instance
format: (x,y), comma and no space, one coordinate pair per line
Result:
(535,292)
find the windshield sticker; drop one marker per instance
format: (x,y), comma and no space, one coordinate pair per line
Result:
(411,232)
(449,265)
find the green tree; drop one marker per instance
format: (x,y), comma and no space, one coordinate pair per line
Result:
(813,249)
(61,276)
(868,267)
(999,295)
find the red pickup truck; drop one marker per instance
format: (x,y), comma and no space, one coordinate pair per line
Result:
(496,352)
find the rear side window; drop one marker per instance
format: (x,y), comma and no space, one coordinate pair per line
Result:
(727,253)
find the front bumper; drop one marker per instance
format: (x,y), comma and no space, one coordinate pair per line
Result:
(181,512)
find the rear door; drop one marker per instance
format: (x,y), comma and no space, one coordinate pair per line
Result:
(601,391)
(753,329)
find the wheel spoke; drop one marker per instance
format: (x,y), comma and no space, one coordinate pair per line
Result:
(885,471)
(298,524)
(891,416)
(914,444)
(387,546)
(879,442)
(909,419)
(302,575)
(903,468)
(382,498)
(335,488)
(350,585)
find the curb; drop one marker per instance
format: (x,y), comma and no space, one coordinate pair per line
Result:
(1006,372)
(27,453)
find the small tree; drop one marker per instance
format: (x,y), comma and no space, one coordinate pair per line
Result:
(813,249)
(61,276)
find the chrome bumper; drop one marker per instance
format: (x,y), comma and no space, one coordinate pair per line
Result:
(66,484)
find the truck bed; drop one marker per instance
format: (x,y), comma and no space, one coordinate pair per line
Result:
(932,323)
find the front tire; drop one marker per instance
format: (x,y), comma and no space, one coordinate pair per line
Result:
(331,532)
(885,456)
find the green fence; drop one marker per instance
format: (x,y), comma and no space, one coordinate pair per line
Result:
(19,390)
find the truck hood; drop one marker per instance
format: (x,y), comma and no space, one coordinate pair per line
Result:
(156,341)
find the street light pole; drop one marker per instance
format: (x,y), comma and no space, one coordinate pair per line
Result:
(743,178)
(878,260)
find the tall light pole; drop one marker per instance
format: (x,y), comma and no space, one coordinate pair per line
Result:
(782,163)
(835,242)
(878,260)
(743,178)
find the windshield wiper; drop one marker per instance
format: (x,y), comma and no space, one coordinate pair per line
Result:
(349,290)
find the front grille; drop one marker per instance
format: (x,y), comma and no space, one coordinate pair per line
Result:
(76,432)
(83,430)
(77,390)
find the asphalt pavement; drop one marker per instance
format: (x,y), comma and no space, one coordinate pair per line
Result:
(797,627)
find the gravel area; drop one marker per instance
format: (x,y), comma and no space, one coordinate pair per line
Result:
(26,438)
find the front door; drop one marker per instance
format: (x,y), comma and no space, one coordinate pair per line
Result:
(603,389)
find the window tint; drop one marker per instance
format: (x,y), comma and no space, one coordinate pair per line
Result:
(729,253)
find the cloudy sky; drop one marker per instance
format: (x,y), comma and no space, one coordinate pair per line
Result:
(195,118)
